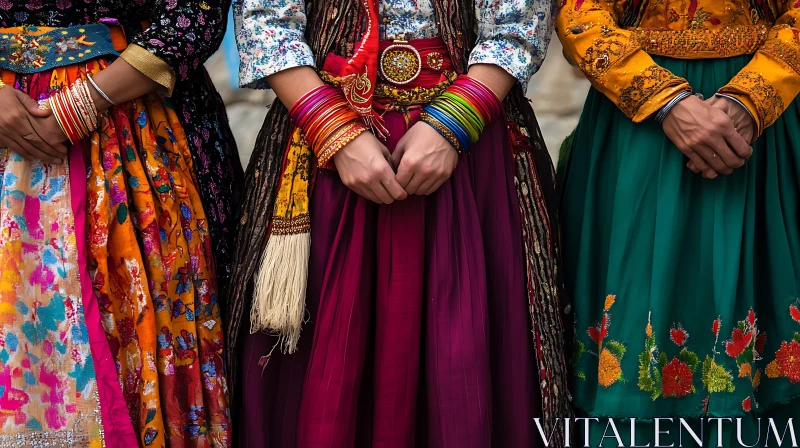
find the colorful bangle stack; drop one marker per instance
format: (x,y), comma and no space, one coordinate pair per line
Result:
(75,111)
(462,112)
(328,121)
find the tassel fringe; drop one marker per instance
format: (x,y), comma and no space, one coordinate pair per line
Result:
(279,301)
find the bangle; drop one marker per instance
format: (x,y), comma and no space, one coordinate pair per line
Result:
(662,113)
(74,111)
(99,90)
(461,113)
(327,121)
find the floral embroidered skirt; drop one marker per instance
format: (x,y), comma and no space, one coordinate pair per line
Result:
(109,322)
(685,289)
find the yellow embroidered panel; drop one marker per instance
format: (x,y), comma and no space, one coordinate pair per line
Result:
(612,40)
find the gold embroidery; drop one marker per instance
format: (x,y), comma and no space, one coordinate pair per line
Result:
(399,97)
(788,53)
(702,43)
(604,53)
(652,80)
(761,92)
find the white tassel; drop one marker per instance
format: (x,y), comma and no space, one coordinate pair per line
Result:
(279,301)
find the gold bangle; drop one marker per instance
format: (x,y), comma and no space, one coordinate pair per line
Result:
(443,130)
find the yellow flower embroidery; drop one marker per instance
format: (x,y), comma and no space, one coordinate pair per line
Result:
(608,369)
(610,299)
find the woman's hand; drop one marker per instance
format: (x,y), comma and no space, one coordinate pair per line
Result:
(707,136)
(742,121)
(363,166)
(17,130)
(425,160)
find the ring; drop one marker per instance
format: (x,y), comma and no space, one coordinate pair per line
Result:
(29,137)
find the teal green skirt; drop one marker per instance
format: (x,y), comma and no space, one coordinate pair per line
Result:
(685,289)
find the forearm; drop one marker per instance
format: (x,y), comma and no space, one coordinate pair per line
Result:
(493,77)
(121,82)
(291,84)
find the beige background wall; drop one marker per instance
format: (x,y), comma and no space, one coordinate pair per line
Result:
(557,92)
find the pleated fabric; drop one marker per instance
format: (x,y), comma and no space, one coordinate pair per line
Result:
(419,330)
(685,289)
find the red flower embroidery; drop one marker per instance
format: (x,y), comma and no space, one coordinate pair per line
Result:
(788,360)
(761,340)
(751,318)
(678,335)
(676,379)
(746,404)
(598,333)
(738,343)
(715,326)
(795,312)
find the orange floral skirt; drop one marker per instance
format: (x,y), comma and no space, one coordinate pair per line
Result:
(151,280)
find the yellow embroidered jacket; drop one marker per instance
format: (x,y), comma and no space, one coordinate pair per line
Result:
(612,40)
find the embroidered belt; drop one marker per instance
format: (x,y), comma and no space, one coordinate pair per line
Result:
(702,44)
(30,49)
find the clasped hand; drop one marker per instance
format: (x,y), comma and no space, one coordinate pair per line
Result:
(29,131)
(714,134)
(424,160)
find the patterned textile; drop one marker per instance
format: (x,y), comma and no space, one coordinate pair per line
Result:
(617,58)
(150,262)
(183,33)
(48,388)
(511,34)
(332,29)
(150,256)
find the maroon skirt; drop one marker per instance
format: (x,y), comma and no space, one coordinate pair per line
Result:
(419,331)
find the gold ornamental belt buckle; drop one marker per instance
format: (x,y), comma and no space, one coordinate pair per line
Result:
(400,63)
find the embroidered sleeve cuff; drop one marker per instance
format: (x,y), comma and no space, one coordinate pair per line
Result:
(768,84)
(521,59)
(151,66)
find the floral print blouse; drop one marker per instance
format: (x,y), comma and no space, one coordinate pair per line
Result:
(512,34)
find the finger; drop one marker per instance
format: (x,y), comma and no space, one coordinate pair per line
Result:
(692,167)
(381,192)
(404,174)
(726,153)
(436,186)
(397,156)
(710,174)
(37,153)
(366,193)
(426,187)
(713,159)
(31,106)
(416,182)
(698,161)
(33,140)
(391,185)
(738,143)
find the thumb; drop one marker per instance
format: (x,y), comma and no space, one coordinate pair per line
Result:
(31,105)
(397,155)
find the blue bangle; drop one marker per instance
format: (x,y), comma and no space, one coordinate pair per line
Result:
(452,124)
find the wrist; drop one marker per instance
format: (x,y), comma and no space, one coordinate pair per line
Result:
(101,100)
(739,102)
(664,111)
